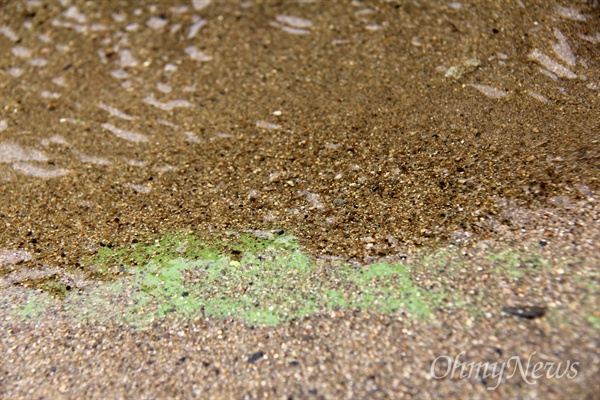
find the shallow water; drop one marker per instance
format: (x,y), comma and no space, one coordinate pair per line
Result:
(452,144)
(312,107)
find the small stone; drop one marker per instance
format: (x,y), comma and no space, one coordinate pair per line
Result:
(255,357)
(527,312)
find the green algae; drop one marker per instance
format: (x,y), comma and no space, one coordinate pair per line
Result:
(36,304)
(262,279)
(273,282)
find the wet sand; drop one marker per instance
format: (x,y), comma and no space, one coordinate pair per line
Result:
(375,130)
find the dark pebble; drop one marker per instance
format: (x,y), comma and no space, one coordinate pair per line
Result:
(255,357)
(181,360)
(525,312)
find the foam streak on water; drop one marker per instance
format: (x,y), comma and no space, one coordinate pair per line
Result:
(39,172)
(200,4)
(49,95)
(562,49)
(267,125)
(9,33)
(123,134)
(197,55)
(156,23)
(10,152)
(138,188)
(538,96)
(157,55)
(74,14)
(195,28)
(127,59)
(168,105)
(571,13)
(490,91)
(115,112)
(16,72)
(295,22)
(69,25)
(551,65)
(295,31)
(94,160)
(21,52)
(192,138)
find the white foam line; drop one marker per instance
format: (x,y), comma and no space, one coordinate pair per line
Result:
(38,62)
(21,52)
(73,13)
(548,73)
(138,188)
(115,112)
(127,59)
(197,55)
(54,139)
(292,21)
(167,123)
(591,38)
(538,96)
(571,13)
(192,138)
(562,49)
(490,91)
(200,4)
(9,33)
(11,152)
(16,71)
(168,105)
(59,81)
(163,87)
(69,25)
(195,28)
(49,95)
(94,160)
(135,163)
(38,172)
(127,135)
(295,31)
(552,65)
(156,23)
(267,125)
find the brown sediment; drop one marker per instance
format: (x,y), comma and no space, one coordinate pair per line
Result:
(377,151)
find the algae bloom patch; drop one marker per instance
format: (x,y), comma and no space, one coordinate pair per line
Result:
(264,280)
